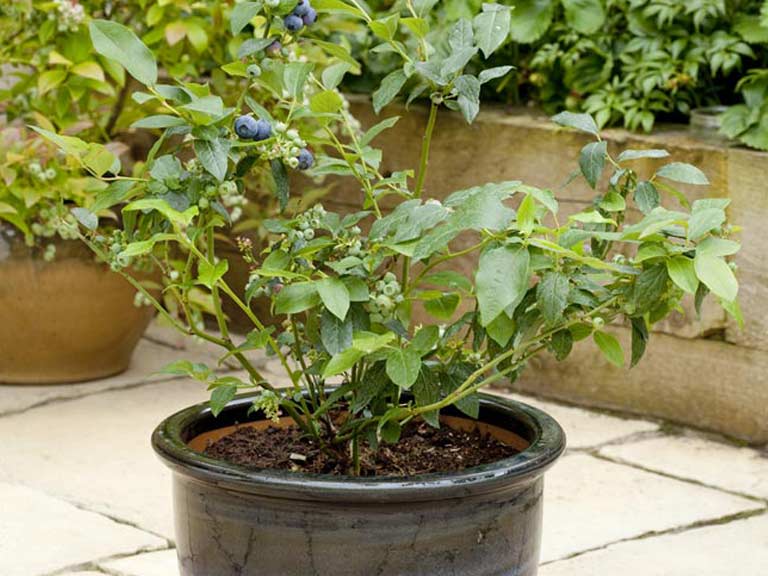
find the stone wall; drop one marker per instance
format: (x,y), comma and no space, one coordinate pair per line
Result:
(705,373)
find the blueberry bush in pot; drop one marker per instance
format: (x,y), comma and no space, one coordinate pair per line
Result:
(361,373)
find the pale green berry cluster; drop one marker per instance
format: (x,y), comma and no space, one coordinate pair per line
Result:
(37,172)
(229,195)
(140,300)
(384,298)
(49,254)
(286,145)
(50,223)
(69,15)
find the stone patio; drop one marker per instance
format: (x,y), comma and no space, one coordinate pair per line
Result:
(81,492)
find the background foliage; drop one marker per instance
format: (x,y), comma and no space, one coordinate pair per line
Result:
(627,62)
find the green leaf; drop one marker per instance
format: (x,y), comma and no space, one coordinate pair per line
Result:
(183,218)
(221,396)
(209,274)
(116,42)
(683,273)
(418,26)
(369,342)
(390,87)
(530,19)
(562,344)
(295,76)
(335,334)
(501,280)
(342,362)
(468,89)
(684,173)
(492,73)
(492,27)
(585,16)
(403,367)
(49,80)
(443,308)
(526,215)
(426,339)
(242,14)
(582,122)
(462,35)
(628,155)
(296,298)
(704,221)
(214,155)
(86,218)
(282,183)
(610,347)
(650,286)
(613,202)
(501,329)
(717,247)
(159,121)
(326,102)
(716,275)
(252,46)
(552,296)
(377,129)
(449,279)
(335,296)
(385,28)
(646,197)
(426,391)
(639,339)
(592,161)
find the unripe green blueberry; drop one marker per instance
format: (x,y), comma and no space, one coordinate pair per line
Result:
(598,322)
(390,277)
(203,203)
(254,71)
(309,233)
(391,289)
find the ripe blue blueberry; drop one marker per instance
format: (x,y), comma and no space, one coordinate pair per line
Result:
(306,159)
(274,48)
(293,23)
(246,127)
(264,130)
(310,17)
(302,7)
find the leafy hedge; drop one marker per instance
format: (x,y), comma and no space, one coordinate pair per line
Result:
(627,62)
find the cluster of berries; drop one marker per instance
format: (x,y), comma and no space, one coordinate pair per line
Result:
(38,173)
(288,144)
(50,223)
(70,14)
(232,198)
(385,297)
(302,15)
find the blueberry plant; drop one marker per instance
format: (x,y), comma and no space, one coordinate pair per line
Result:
(343,286)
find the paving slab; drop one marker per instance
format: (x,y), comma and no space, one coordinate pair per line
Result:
(584,428)
(735,549)
(590,503)
(40,534)
(148,358)
(88,573)
(95,451)
(741,470)
(162,563)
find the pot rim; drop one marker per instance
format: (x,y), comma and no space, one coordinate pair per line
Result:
(546,437)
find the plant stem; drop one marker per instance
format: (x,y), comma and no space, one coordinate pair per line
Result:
(426,145)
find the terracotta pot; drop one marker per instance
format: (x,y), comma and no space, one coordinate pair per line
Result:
(68,320)
(484,521)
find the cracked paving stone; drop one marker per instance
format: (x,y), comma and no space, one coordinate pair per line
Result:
(585,428)
(148,358)
(96,452)
(162,563)
(40,534)
(738,548)
(590,503)
(741,470)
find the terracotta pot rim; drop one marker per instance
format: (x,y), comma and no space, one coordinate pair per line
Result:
(545,436)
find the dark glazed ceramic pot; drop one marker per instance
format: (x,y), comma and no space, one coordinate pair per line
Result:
(484,521)
(68,320)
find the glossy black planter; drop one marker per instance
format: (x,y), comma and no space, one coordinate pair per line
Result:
(484,521)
